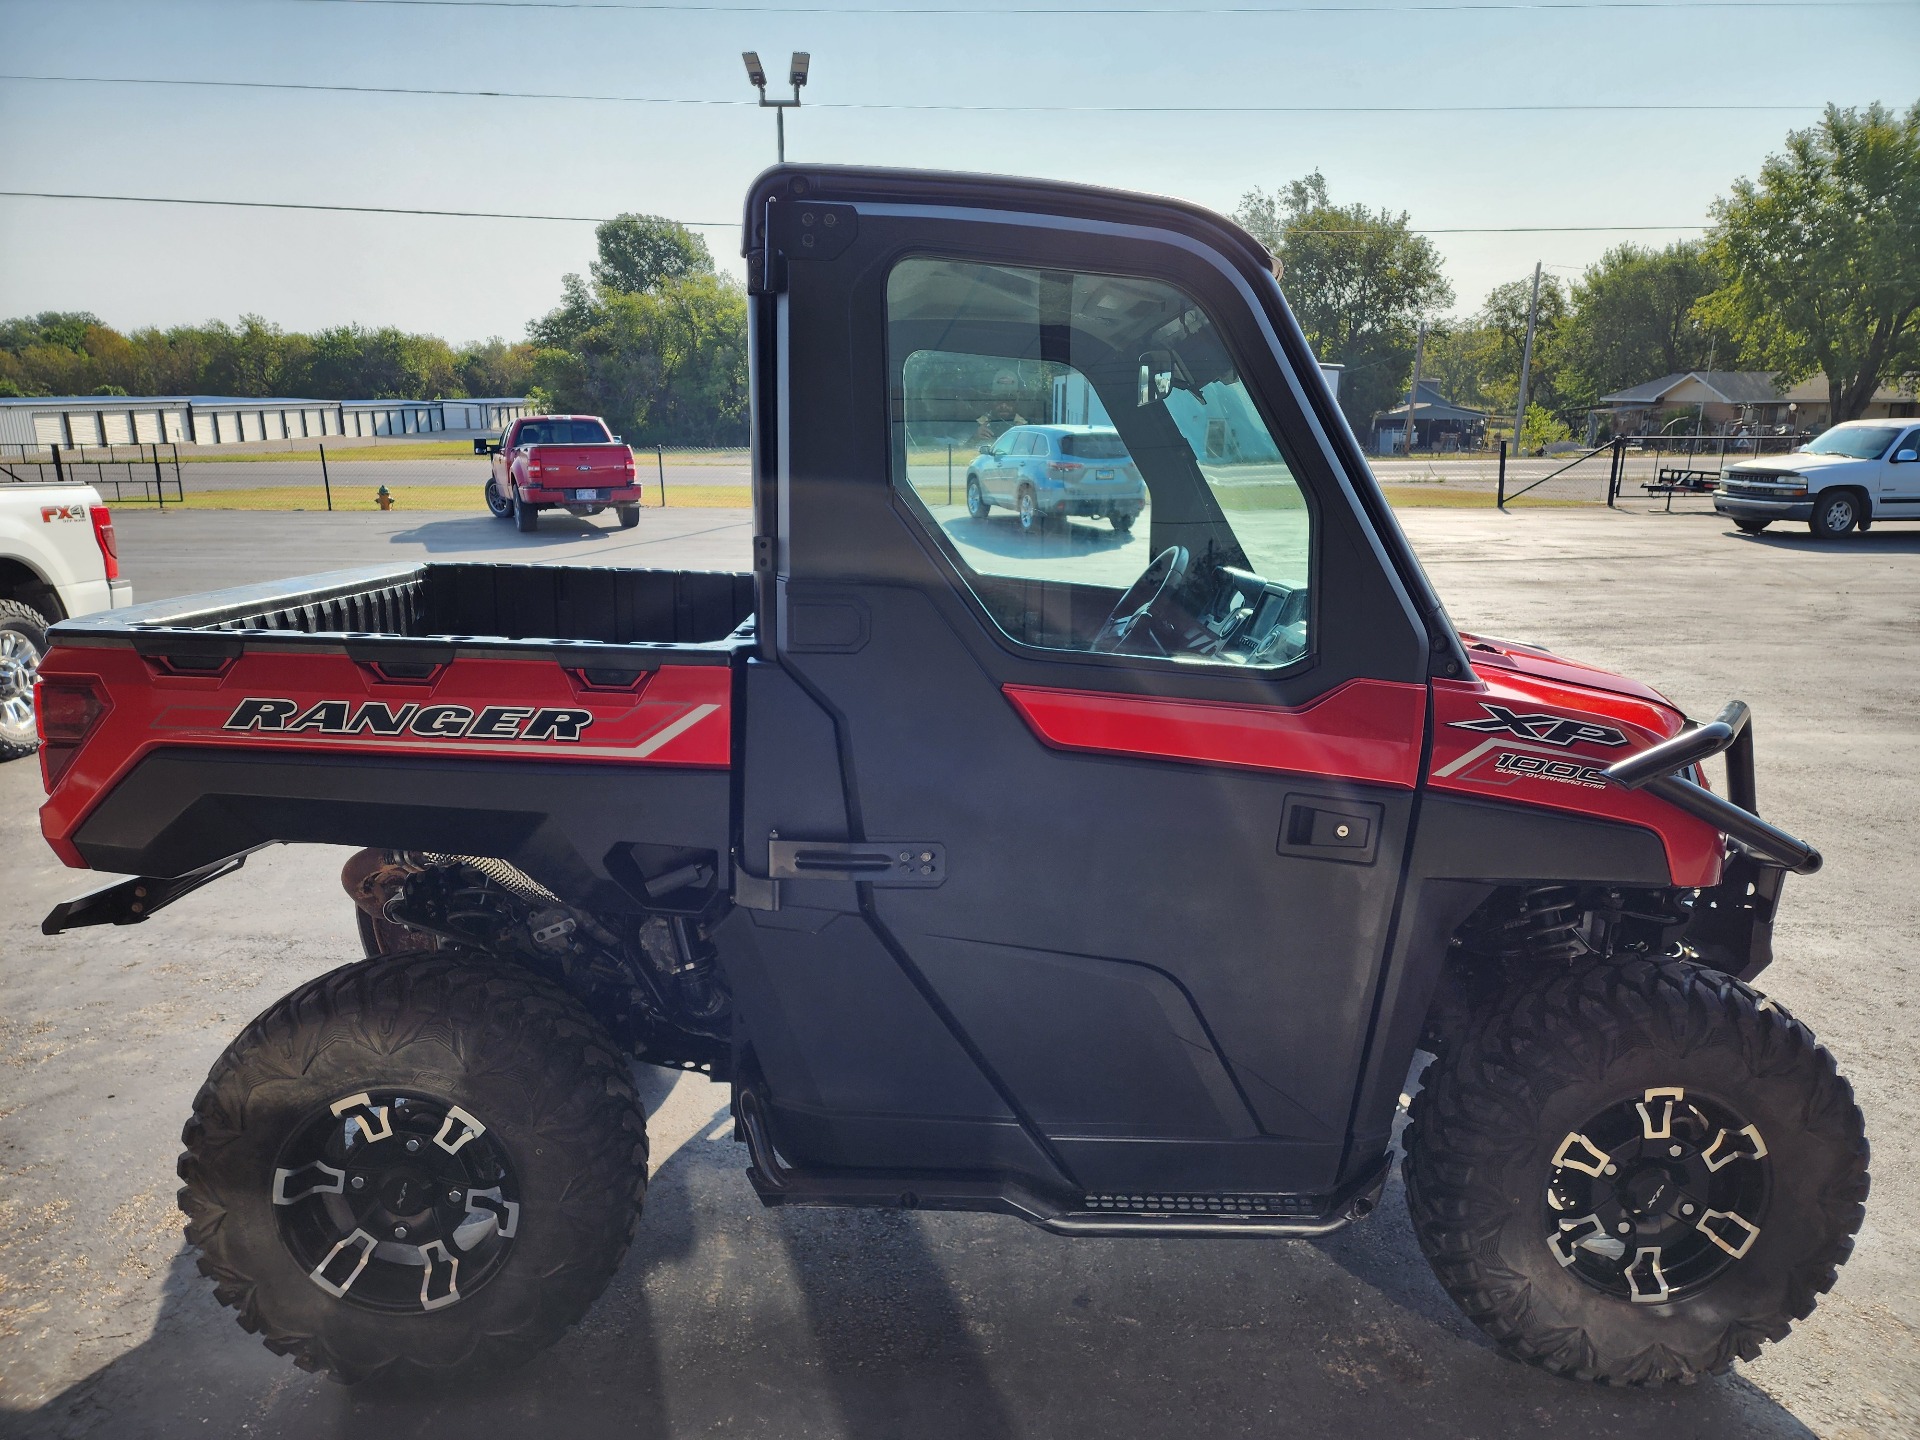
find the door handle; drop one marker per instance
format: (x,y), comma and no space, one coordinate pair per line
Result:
(1325,829)
(914,864)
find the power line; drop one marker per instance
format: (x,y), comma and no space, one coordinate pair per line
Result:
(344,209)
(1448,7)
(729,224)
(1638,107)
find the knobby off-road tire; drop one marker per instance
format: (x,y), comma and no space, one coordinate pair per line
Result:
(1502,1103)
(483,1043)
(23,644)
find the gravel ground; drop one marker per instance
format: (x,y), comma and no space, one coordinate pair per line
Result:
(729,1318)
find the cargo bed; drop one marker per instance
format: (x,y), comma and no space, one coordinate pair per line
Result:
(552,715)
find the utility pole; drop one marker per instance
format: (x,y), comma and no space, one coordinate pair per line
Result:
(1413,392)
(796,77)
(1526,358)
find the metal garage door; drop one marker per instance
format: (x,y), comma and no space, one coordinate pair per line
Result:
(146,427)
(118,431)
(47,430)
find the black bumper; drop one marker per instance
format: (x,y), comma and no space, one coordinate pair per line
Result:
(1737,507)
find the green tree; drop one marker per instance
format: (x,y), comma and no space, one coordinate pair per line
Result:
(1359,281)
(1636,317)
(493,367)
(1822,255)
(640,252)
(668,366)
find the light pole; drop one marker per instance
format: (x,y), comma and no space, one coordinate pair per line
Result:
(796,76)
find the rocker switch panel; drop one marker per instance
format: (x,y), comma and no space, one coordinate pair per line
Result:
(1347,830)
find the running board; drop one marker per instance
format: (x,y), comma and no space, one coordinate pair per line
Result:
(1143,1214)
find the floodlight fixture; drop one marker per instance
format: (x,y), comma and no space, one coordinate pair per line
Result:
(796,77)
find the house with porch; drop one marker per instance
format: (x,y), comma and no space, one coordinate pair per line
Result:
(1715,402)
(1438,424)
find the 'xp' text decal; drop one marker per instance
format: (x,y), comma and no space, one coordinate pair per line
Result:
(1549,729)
(431,722)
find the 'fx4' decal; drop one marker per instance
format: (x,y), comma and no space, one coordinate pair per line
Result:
(1541,726)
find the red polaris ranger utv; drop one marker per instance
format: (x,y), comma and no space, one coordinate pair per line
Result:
(1104,878)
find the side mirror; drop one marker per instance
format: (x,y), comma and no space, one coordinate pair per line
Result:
(483,447)
(618,441)
(986,449)
(1906,457)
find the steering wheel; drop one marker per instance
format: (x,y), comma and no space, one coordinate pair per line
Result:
(1132,614)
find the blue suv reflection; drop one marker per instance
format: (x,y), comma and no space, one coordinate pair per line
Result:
(1046,472)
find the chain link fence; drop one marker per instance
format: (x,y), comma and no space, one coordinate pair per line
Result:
(441,475)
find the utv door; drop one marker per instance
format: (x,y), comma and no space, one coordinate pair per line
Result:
(1121,817)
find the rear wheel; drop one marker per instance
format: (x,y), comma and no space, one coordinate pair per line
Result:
(1123,522)
(498,505)
(1030,518)
(627,515)
(526,518)
(23,641)
(1751,527)
(1636,1172)
(1835,514)
(415,1165)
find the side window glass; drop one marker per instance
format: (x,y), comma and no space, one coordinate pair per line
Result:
(1165,521)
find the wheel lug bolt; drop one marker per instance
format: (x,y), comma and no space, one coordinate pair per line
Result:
(1675,1151)
(359,1182)
(399,1232)
(412,1146)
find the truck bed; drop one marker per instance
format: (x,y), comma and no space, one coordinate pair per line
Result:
(576,721)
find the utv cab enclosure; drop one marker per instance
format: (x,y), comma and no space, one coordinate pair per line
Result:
(1106,878)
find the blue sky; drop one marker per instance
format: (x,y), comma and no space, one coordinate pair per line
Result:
(467,279)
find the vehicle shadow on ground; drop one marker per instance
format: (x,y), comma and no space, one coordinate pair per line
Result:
(1002,535)
(894,1326)
(1873,544)
(483,532)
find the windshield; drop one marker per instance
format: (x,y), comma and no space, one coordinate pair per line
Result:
(1865,442)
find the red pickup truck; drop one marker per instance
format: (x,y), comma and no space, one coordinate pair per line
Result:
(569,462)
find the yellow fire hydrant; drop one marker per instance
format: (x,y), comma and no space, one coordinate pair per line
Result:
(383,499)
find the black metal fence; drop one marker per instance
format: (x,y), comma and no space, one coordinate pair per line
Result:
(123,474)
(1654,470)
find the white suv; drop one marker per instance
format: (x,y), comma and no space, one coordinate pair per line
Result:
(1856,473)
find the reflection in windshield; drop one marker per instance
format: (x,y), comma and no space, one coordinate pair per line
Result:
(1865,443)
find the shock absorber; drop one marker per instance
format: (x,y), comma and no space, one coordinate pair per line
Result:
(1542,923)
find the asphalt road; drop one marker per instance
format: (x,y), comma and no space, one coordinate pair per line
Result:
(728,1318)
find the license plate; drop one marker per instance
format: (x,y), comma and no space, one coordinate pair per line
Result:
(589,495)
(1103,474)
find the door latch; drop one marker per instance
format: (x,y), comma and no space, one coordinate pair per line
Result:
(1325,829)
(914,864)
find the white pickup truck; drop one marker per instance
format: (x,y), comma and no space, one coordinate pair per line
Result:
(1856,473)
(58,558)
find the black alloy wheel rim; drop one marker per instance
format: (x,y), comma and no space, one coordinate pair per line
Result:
(396,1201)
(1658,1195)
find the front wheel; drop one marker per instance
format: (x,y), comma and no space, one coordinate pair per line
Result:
(1636,1172)
(1835,514)
(413,1166)
(978,505)
(499,505)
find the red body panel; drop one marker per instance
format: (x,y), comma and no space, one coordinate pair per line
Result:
(562,469)
(1496,764)
(1366,730)
(677,715)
